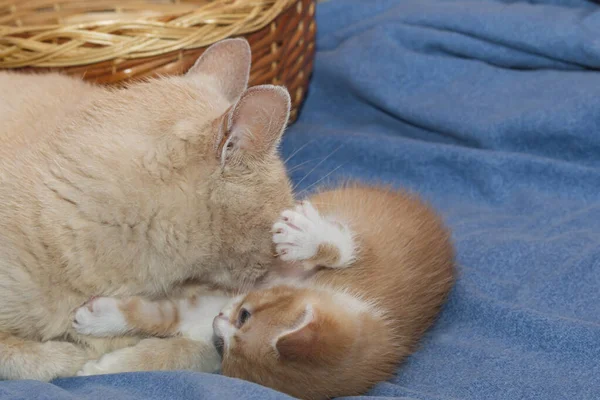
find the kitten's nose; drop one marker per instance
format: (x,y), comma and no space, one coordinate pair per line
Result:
(215,324)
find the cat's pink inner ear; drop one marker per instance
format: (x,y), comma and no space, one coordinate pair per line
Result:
(300,343)
(258,120)
(228,62)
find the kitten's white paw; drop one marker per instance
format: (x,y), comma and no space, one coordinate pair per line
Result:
(100,316)
(295,235)
(108,364)
(298,234)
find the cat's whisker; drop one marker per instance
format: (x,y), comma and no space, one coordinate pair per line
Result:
(316,166)
(313,184)
(298,166)
(298,150)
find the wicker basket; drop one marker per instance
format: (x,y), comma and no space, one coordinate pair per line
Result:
(115,41)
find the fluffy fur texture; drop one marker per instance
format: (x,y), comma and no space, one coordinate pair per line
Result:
(367,272)
(136,191)
(184,323)
(350,324)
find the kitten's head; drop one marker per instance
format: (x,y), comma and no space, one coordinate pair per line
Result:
(194,166)
(311,344)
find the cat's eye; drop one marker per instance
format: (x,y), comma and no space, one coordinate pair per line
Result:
(243,317)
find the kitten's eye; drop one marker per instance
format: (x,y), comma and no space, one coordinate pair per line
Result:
(243,317)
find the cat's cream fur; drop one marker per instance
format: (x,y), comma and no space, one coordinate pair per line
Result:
(368,271)
(136,191)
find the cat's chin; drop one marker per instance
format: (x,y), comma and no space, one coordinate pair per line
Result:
(285,272)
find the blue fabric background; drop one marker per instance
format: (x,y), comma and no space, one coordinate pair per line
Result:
(490,110)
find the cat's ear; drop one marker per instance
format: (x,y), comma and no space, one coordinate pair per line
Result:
(300,343)
(228,62)
(255,124)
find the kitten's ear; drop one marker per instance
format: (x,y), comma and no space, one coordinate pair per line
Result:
(228,62)
(299,343)
(255,124)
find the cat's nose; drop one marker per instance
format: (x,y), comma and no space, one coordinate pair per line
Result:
(220,314)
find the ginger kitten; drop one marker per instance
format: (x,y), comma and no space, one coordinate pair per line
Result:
(135,191)
(368,270)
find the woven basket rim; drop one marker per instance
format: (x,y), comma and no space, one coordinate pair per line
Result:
(180,26)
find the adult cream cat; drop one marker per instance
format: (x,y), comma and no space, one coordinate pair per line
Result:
(135,191)
(375,267)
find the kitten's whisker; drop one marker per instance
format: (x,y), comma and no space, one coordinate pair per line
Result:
(316,166)
(298,150)
(245,286)
(313,184)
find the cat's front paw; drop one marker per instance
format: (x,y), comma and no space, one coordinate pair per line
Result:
(108,364)
(100,316)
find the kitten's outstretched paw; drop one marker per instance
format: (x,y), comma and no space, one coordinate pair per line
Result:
(304,235)
(296,234)
(100,316)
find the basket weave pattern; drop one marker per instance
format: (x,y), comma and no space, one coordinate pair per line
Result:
(112,42)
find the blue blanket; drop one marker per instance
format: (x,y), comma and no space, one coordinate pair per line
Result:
(490,110)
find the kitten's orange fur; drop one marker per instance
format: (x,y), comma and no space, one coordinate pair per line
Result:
(348,327)
(134,191)
(380,265)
